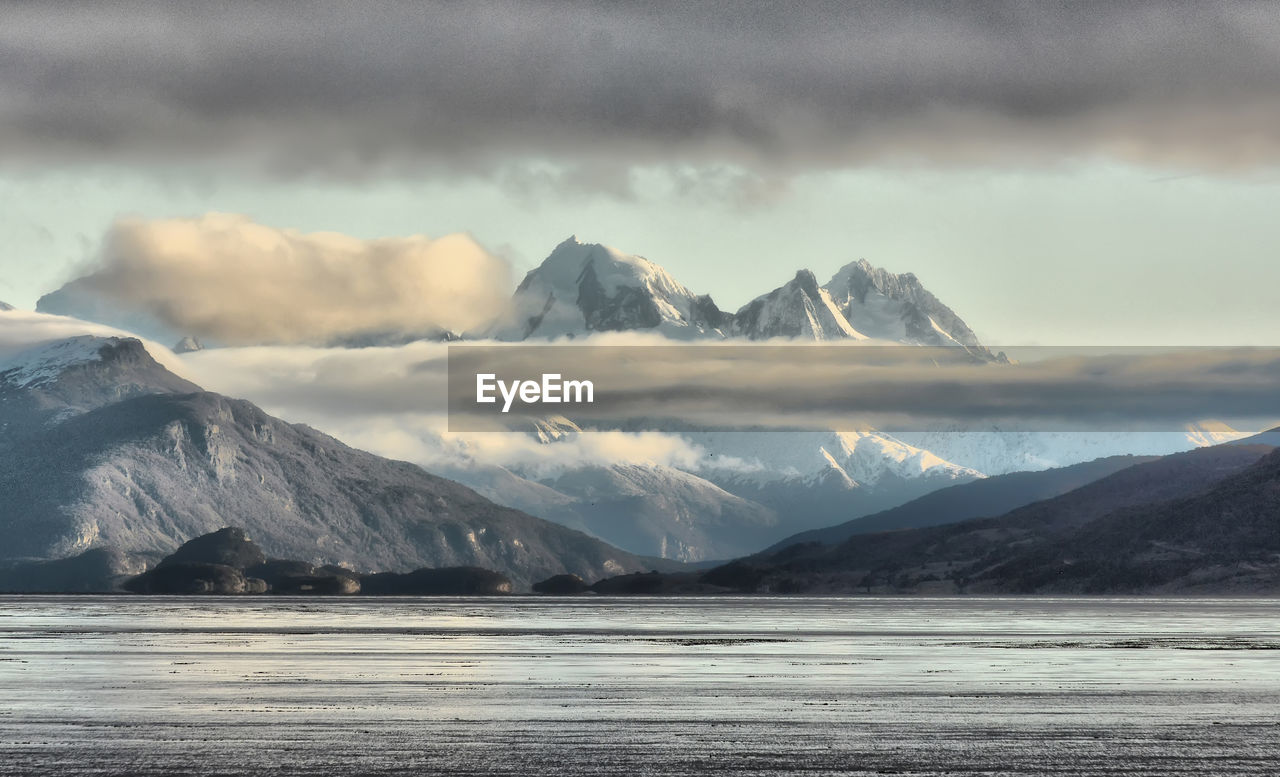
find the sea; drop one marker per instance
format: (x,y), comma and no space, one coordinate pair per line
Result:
(125,685)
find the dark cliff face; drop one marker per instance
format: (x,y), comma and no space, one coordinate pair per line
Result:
(167,462)
(705,312)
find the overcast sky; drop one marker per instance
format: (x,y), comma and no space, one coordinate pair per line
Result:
(1057,173)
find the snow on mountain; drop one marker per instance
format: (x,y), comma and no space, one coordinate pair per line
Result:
(45,362)
(808,479)
(188,344)
(582,288)
(656,510)
(814,479)
(886,306)
(666,512)
(862,459)
(585,287)
(999,452)
(100,445)
(799,308)
(552,428)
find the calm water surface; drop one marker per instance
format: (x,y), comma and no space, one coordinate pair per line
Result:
(528,686)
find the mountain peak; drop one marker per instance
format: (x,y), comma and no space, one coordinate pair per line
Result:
(890,306)
(62,378)
(188,344)
(5,306)
(799,308)
(43,363)
(807,282)
(589,287)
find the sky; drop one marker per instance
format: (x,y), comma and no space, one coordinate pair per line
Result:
(1059,174)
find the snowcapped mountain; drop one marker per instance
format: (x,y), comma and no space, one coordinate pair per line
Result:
(999,452)
(188,344)
(582,288)
(806,480)
(101,446)
(800,308)
(43,363)
(861,459)
(752,487)
(886,306)
(51,381)
(665,511)
(814,478)
(656,509)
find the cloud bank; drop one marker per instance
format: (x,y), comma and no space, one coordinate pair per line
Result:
(345,90)
(392,401)
(233,281)
(856,386)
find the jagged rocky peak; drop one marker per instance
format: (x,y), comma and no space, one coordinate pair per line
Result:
(188,344)
(889,306)
(5,306)
(800,308)
(588,287)
(552,428)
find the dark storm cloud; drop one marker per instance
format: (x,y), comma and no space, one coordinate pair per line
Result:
(352,88)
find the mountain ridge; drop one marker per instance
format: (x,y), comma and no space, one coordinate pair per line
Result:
(146,469)
(589,287)
(1113,535)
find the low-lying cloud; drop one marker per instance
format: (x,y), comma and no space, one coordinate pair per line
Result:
(857,386)
(228,279)
(392,401)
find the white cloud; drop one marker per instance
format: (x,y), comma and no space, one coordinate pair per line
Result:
(226,278)
(392,401)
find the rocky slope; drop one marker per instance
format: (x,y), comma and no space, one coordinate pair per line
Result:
(103,447)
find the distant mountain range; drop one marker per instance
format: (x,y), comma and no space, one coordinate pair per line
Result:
(989,497)
(1201,521)
(102,447)
(583,288)
(793,481)
(752,488)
